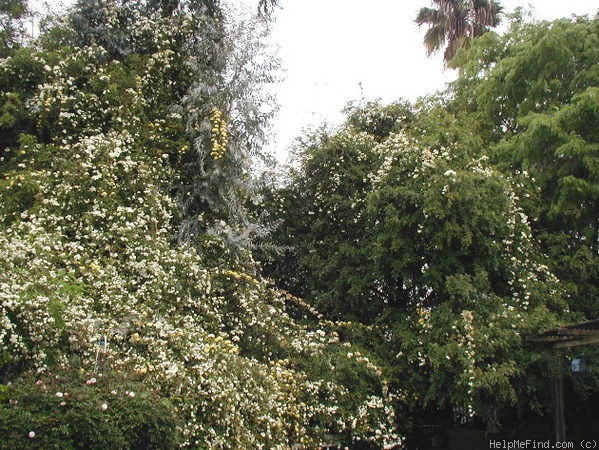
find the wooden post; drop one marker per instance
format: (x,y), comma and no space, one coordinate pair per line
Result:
(569,336)
(559,419)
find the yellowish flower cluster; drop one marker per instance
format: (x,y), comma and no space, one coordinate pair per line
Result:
(219,134)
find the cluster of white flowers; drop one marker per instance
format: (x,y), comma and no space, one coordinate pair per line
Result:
(467,339)
(391,150)
(92,260)
(81,265)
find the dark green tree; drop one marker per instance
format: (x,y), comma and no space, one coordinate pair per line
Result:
(533,92)
(464,276)
(321,211)
(462,229)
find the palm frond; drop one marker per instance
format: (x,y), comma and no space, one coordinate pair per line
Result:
(428,16)
(434,39)
(456,22)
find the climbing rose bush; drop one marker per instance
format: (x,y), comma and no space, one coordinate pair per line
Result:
(93,286)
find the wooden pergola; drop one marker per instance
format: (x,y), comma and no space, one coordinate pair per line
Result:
(585,333)
(560,339)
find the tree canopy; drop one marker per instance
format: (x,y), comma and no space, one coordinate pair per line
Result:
(459,224)
(534,90)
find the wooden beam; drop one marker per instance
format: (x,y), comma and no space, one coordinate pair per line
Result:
(587,340)
(583,332)
(547,339)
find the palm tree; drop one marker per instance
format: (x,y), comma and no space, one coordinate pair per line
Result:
(267,6)
(456,22)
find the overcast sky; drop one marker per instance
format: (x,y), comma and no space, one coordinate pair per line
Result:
(336,51)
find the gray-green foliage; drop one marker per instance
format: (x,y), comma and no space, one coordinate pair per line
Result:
(221,64)
(232,67)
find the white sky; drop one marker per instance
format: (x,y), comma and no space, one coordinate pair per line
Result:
(329,48)
(337,51)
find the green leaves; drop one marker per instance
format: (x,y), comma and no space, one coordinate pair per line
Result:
(66,410)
